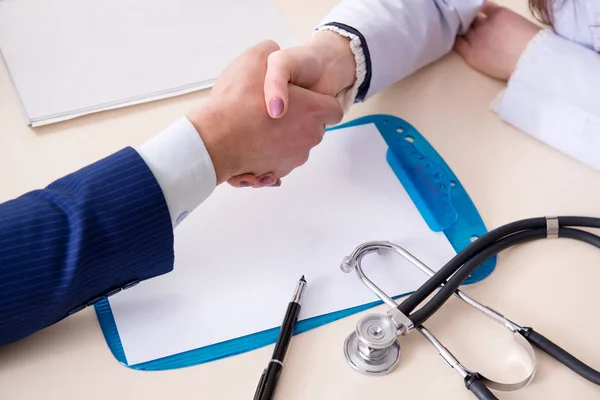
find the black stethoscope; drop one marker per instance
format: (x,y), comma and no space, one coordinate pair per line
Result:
(373,347)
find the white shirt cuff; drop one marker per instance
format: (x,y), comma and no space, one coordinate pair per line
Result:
(182,167)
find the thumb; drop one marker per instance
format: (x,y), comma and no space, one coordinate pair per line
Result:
(333,112)
(276,84)
(296,66)
(330,111)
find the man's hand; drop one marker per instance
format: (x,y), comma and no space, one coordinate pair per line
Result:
(242,138)
(324,65)
(496,40)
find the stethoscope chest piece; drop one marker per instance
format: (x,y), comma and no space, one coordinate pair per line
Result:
(373,348)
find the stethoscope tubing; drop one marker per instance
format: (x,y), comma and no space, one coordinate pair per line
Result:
(456,271)
(451,285)
(502,238)
(478,246)
(473,380)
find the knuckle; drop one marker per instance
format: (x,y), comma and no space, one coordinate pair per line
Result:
(283,172)
(316,138)
(268,46)
(271,45)
(263,49)
(279,59)
(302,159)
(312,138)
(259,53)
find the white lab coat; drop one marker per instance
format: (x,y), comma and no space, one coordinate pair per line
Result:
(553,95)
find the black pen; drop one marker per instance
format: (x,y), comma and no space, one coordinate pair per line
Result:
(270,376)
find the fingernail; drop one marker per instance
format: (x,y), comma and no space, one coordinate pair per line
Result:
(266,181)
(277,184)
(244,183)
(276,107)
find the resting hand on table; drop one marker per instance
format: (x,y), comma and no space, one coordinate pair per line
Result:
(247,146)
(496,40)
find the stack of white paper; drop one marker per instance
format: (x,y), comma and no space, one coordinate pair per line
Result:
(68,58)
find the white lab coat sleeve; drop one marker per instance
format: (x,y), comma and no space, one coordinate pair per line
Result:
(553,96)
(398,37)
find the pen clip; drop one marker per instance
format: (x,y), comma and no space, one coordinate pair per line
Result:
(261,386)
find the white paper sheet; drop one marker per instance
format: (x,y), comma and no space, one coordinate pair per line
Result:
(241,253)
(74,57)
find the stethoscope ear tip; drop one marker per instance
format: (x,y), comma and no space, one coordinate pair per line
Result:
(348,264)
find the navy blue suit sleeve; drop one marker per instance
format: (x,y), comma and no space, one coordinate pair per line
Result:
(86,236)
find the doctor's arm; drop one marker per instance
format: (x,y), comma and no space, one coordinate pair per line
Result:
(110,225)
(552,82)
(363,46)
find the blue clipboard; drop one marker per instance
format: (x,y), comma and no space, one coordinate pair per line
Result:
(432,186)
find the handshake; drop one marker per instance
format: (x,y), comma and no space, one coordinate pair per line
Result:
(270,107)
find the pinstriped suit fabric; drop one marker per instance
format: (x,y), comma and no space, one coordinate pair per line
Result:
(85,236)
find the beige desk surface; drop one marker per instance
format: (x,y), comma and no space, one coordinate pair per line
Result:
(551,286)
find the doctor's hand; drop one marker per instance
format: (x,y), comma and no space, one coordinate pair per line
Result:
(496,40)
(240,136)
(324,65)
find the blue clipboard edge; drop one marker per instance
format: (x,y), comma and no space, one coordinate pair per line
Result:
(453,212)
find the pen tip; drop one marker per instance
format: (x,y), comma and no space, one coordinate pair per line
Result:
(302,279)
